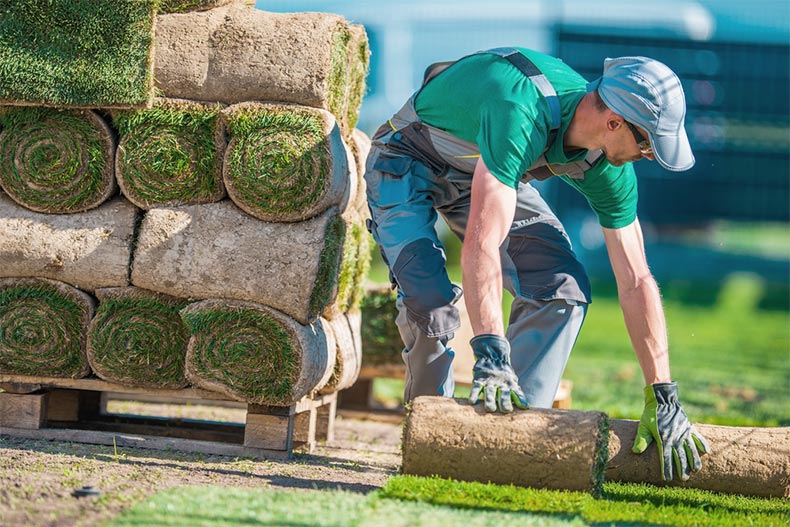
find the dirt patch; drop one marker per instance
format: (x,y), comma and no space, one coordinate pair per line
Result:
(37,477)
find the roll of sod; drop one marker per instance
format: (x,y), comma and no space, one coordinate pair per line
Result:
(284,162)
(218,251)
(43,327)
(56,161)
(325,327)
(549,449)
(77,53)
(358,63)
(382,342)
(354,267)
(253,353)
(170,154)
(186,6)
(89,250)
(236,53)
(360,146)
(137,338)
(742,460)
(348,351)
(364,248)
(352,198)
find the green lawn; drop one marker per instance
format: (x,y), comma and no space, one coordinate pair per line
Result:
(732,360)
(410,501)
(231,507)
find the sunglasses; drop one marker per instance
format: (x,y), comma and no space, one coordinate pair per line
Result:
(643,143)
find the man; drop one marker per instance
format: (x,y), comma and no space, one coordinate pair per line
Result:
(466,145)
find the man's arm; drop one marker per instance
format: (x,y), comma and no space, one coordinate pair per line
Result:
(663,419)
(640,301)
(490,216)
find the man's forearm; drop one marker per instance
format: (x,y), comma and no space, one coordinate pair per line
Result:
(482,279)
(646,325)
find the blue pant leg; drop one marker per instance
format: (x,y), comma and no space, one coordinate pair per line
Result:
(400,196)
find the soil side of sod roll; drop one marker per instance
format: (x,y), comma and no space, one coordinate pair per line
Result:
(218,251)
(541,448)
(88,250)
(235,53)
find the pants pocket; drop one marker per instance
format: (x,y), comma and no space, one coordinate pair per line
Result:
(389,180)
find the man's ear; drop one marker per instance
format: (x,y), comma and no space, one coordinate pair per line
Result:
(613,122)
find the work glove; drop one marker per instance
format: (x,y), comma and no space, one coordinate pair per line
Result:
(493,375)
(663,420)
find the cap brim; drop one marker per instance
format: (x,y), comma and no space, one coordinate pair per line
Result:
(673,152)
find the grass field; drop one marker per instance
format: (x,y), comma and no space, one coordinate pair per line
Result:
(410,501)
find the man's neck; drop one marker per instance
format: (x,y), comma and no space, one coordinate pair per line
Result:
(581,132)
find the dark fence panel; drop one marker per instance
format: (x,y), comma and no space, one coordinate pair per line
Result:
(738,97)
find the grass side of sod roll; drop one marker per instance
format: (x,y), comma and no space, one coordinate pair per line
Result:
(55,161)
(139,339)
(278,158)
(43,328)
(359,64)
(77,53)
(185,6)
(326,280)
(171,154)
(244,349)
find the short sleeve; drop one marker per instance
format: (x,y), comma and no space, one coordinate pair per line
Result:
(511,137)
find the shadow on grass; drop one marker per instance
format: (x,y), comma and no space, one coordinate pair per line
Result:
(277,473)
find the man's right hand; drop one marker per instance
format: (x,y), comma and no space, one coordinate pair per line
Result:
(494,376)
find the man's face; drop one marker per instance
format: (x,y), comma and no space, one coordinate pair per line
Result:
(626,143)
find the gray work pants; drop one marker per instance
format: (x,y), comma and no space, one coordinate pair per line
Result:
(550,287)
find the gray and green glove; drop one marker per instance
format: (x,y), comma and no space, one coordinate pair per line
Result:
(494,376)
(663,420)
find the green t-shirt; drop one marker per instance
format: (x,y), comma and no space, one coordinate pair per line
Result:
(486,100)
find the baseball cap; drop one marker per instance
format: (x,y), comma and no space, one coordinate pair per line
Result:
(647,93)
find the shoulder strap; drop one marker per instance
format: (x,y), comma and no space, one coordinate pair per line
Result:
(542,170)
(528,68)
(525,66)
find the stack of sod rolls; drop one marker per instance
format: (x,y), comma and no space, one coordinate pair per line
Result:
(210,236)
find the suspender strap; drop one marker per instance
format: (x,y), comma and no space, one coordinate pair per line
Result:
(525,66)
(528,68)
(542,170)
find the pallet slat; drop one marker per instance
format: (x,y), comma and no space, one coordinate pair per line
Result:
(75,410)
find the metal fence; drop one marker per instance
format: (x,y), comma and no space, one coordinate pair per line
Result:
(738,123)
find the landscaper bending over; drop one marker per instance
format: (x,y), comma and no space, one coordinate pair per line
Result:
(466,146)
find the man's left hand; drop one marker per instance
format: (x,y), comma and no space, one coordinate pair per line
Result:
(663,420)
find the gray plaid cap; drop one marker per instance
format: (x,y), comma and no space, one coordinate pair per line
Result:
(647,93)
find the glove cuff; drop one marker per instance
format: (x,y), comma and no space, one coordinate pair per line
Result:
(662,393)
(491,346)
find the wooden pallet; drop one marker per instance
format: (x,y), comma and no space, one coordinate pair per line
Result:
(75,410)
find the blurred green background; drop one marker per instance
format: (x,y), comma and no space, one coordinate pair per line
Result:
(717,236)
